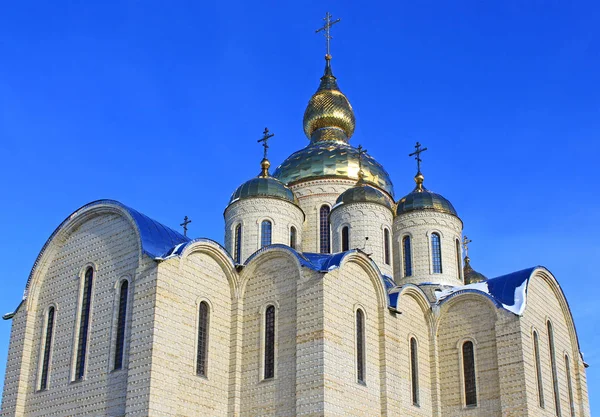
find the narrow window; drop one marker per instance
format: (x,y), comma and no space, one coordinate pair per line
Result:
(345,239)
(121,320)
(84,324)
(360,346)
(407,256)
(469,374)
(414,371)
(47,346)
(554,375)
(325,245)
(202,353)
(265,233)
(436,253)
(386,246)
(238,244)
(458,263)
(569,385)
(269,342)
(293,237)
(538,369)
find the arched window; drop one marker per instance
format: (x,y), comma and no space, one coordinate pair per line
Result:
(414,370)
(458,263)
(269,342)
(553,365)
(386,246)
(538,369)
(345,239)
(436,253)
(407,256)
(293,237)
(265,233)
(324,233)
(569,385)
(360,346)
(468,356)
(46,349)
(202,352)
(121,320)
(84,324)
(237,251)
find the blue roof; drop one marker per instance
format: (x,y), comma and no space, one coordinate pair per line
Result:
(503,288)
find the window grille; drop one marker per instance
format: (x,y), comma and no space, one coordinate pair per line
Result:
(269,342)
(84,324)
(47,346)
(407,256)
(469,374)
(324,229)
(202,353)
(238,244)
(436,253)
(121,320)
(265,233)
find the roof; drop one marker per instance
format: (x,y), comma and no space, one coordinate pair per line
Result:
(363,193)
(424,200)
(263,187)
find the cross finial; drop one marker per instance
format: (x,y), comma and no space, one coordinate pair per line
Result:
(326,28)
(417,155)
(186,221)
(265,140)
(361,152)
(465,243)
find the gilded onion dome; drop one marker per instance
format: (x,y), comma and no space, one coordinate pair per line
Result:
(423,199)
(329,115)
(263,186)
(472,276)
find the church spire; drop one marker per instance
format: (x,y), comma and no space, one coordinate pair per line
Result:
(329,115)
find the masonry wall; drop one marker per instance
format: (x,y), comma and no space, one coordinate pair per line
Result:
(543,305)
(419,225)
(109,243)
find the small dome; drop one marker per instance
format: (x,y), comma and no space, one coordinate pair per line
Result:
(263,187)
(423,199)
(472,276)
(363,194)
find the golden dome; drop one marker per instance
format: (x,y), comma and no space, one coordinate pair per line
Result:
(329,115)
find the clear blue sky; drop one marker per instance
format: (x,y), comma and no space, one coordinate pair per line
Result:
(159,105)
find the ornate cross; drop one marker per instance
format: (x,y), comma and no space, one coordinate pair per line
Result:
(265,139)
(186,221)
(465,243)
(326,28)
(361,152)
(418,152)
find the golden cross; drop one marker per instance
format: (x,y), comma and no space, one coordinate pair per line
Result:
(186,221)
(265,139)
(465,243)
(418,152)
(326,28)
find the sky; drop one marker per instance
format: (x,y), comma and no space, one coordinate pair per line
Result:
(159,105)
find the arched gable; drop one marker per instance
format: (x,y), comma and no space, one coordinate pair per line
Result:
(372,271)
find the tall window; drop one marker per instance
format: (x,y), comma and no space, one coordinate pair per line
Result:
(436,253)
(293,237)
(360,346)
(538,368)
(407,256)
(414,371)
(237,251)
(325,245)
(569,386)
(121,320)
(265,233)
(468,355)
(553,364)
(458,264)
(46,349)
(386,246)
(202,353)
(345,239)
(84,324)
(269,342)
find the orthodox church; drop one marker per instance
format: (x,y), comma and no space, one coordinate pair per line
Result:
(329,298)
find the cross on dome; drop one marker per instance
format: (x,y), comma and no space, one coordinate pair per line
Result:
(265,164)
(327,31)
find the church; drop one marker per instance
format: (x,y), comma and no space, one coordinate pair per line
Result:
(330,297)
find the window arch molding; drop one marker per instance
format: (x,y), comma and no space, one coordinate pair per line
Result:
(259,223)
(81,277)
(194,363)
(402,255)
(459,348)
(43,317)
(429,235)
(263,315)
(115,320)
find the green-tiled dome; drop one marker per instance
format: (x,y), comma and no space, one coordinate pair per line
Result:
(263,187)
(363,194)
(423,199)
(330,159)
